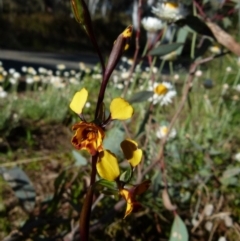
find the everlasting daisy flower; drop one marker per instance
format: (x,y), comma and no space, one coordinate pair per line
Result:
(31,71)
(152,24)
(3,93)
(89,135)
(163,93)
(1,78)
(29,80)
(237,157)
(169,11)
(12,71)
(229,69)
(61,67)
(215,49)
(198,73)
(163,130)
(237,88)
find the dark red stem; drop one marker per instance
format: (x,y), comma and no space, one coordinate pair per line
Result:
(87,205)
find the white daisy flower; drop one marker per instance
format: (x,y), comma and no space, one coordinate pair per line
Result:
(3,93)
(88,104)
(208,209)
(24,69)
(125,75)
(163,130)
(36,78)
(229,69)
(13,81)
(88,70)
(97,76)
(72,72)
(42,70)
(115,79)
(222,239)
(208,226)
(16,75)
(130,62)
(225,86)
(215,49)
(237,88)
(11,71)
(124,59)
(237,157)
(73,80)
(198,73)
(163,93)
(228,221)
(120,86)
(1,78)
(66,74)
(31,70)
(50,72)
(152,24)
(58,73)
(29,80)
(176,77)
(82,66)
(169,11)
(61,67)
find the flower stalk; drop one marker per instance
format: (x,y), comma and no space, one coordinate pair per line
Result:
(87,204)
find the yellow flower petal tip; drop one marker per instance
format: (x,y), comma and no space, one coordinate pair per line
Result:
(120,109)
(107,166)
(127,33)
(78,101)
(131,152)
(132,204)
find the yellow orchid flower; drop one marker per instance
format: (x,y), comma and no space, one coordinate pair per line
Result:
(89,135)
(107,165)
(130,196)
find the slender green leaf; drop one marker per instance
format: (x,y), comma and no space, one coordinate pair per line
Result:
(126,176)
(181,38)
(165,49)
(102,183)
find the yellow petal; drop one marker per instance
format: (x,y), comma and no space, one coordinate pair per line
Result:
(107,166)
(78,101)
(131,152)
(120,109)
(127,196)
